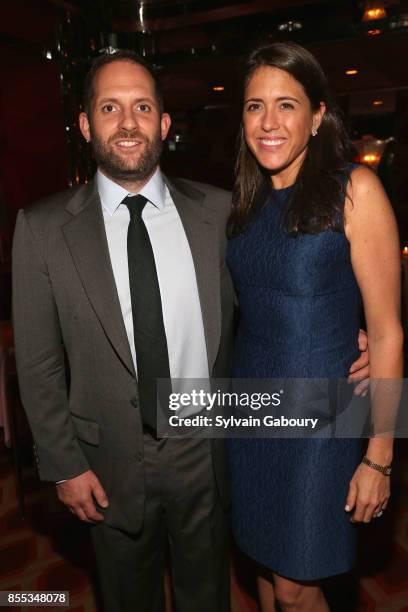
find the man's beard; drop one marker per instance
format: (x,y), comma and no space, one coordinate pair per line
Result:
(122,169)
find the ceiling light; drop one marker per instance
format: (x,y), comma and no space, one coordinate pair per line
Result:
(378,102)
(351,71)
(374,32)
(374,10)
(218,88)
(371,158)
(399,22)
(290,26)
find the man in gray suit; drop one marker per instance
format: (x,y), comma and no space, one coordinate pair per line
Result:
(116,283)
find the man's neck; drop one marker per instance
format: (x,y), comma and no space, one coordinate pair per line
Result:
(130,186)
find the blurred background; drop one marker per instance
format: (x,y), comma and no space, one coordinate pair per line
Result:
(198,47)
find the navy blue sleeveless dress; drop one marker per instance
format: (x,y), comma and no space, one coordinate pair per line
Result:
(300,315)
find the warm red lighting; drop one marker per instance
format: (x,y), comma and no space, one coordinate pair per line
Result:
(374,10)
(378,102)
(218,88)
(371,158)
(374,32)
(351,71)
(374,14)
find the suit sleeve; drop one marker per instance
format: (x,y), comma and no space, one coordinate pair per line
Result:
(41,361)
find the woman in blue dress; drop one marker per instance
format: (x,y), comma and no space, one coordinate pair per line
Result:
(313,240)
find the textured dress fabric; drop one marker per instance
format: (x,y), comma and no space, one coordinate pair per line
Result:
(300,314)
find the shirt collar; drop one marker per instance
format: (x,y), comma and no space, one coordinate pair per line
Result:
(112,194)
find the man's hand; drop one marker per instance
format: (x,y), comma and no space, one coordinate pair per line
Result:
(360,369)
(78,494)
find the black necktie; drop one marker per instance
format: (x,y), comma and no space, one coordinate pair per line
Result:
(150,337)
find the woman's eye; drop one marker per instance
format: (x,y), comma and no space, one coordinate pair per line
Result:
(253,107)
(287,106)
(108,108)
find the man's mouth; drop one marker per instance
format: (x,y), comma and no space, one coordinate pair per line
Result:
(128,144)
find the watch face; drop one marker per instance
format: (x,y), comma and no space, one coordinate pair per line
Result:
(386,470)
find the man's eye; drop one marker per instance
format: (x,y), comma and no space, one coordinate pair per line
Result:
(108,108)
(145,108)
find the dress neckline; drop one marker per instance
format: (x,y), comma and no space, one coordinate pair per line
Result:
(283,189)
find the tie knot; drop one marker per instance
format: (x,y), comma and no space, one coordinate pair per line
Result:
(135,205)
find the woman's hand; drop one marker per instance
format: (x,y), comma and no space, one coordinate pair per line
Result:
(368,495)
(360,369)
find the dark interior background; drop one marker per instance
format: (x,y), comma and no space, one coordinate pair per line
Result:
(197,45)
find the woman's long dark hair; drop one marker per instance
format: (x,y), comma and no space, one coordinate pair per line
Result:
(317,202)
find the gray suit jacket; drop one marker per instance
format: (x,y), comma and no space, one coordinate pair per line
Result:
(76,374)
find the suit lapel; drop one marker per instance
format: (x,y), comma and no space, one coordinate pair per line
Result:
(86,240)
(202,235)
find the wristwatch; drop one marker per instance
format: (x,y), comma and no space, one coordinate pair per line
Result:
(384,469)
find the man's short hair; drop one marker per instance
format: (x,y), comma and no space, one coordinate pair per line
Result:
(123,55)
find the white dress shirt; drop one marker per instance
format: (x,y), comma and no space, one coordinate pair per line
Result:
(182,317)
(183,322)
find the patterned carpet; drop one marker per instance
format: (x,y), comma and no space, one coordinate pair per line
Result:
(50,550)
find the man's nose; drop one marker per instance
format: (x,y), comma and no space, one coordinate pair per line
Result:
(129,120)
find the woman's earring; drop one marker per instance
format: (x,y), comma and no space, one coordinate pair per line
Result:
(314,132)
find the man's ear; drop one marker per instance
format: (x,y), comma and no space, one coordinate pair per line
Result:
(84,126)
(165,125)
